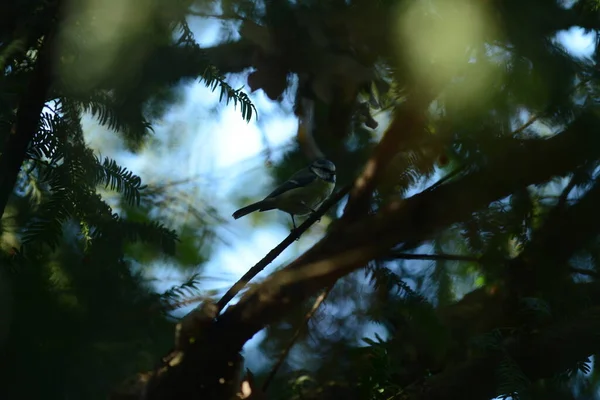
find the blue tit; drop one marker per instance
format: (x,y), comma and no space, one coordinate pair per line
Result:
(301,194)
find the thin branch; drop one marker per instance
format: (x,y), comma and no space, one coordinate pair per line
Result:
(535,117)
(446,178)
(303,325)
(305,131)
(460,169)
(562,233)
(562,200)
(406,125)
(435,257)
(349,246)
(270,257)
(413,220)
(216,16)
(527,124)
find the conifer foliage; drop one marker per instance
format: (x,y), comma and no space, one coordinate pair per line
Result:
(490,264)
(76,316)
(465,132)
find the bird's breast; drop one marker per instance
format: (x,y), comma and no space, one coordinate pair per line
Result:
(302,201)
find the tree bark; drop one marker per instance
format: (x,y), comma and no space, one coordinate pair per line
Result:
(350,246)
(410,221)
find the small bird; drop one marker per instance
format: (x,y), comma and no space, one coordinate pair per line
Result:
(301,194)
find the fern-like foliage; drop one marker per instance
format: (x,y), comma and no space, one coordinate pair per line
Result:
(45,144)
(511,380)
(580,367)
(173,297)
(380,377)
(115,114)
(70,173)
(46,226)
(121,180)
(213,80)
(153,233)
(382,278)
(513,383)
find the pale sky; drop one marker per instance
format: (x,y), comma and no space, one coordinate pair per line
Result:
(226,155)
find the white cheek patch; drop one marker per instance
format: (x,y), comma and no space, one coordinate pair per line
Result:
(325,172)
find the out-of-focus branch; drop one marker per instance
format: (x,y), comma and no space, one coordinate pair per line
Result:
(407,123)
(555,349)
(433,257)
(320,299)
(562,199)
(306,127)
(412,220)
(349,246)
(229,57)
(543,265)
(224,17)
(564,231)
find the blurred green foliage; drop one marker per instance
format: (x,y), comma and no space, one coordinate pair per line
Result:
(80,311)
(78,314)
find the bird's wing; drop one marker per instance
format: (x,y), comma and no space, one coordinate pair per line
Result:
(299,179)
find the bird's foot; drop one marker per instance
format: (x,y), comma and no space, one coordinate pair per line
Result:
(294,231)
(318,218)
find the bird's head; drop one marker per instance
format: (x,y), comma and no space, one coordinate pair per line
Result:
(324,169)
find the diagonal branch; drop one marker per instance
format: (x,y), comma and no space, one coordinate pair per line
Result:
(407,123)
(552,351)
(543,265)
(412,220)
(270,257)
(558,347)
(350,245)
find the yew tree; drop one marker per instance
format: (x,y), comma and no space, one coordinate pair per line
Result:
(464,225)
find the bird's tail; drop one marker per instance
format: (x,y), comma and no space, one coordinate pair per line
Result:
(262,205)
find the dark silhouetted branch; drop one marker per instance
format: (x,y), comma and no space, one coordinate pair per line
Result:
(299,330)
(408,123)
(270,257)
(547,353)
(543,265)
(349,246)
